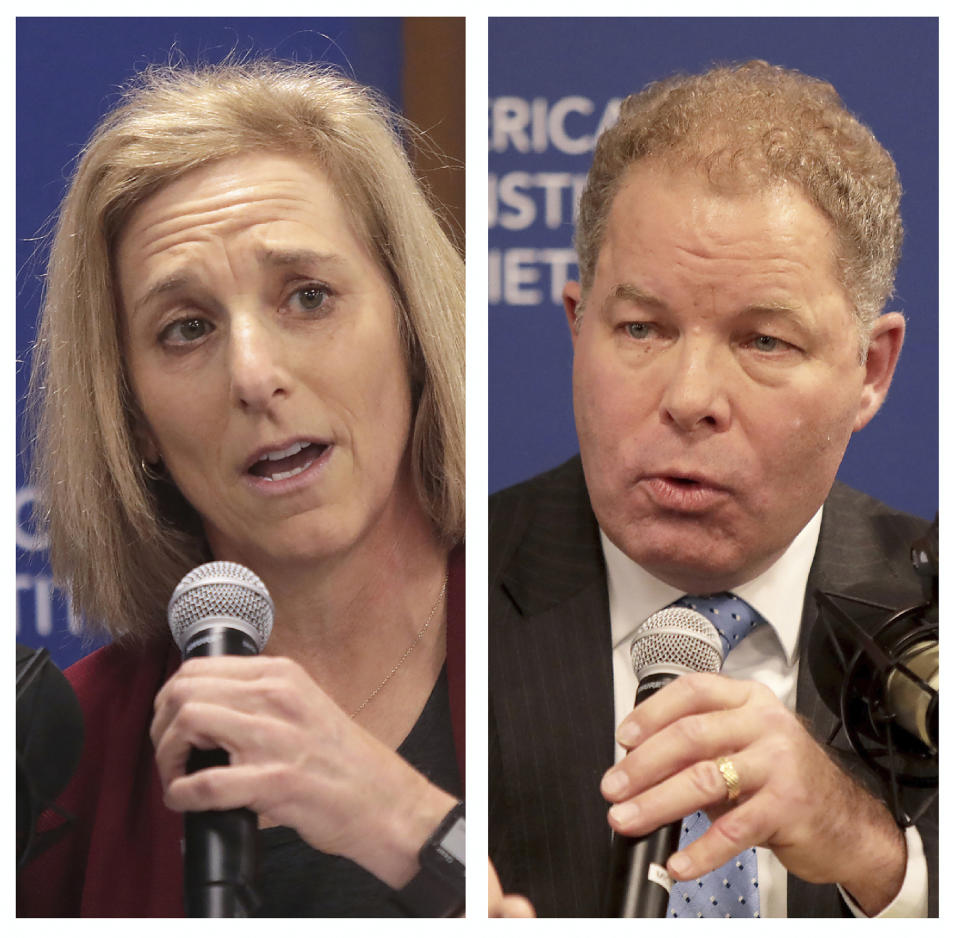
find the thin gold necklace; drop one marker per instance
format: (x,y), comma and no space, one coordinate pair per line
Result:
(403,657)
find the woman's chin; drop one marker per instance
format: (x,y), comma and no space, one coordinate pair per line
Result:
(290,543)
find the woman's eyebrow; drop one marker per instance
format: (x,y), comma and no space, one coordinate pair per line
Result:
(294,257)
(268,257)
(173,282)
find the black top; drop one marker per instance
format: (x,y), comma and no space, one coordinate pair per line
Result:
(297,881)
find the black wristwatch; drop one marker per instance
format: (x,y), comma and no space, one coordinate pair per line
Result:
(437,890)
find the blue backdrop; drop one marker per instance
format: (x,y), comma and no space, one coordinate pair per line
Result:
(68,73)
(554,82)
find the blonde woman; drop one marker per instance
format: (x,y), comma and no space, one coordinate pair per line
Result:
(251,349)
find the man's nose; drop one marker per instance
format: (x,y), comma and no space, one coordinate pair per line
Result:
(257,362)
(696,394)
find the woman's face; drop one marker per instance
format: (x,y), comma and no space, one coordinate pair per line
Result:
(261,342)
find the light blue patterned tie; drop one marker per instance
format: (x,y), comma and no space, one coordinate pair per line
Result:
(730,891)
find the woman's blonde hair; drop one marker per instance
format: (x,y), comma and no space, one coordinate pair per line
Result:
(118,540)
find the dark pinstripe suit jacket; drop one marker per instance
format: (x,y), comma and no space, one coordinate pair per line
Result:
(551,681)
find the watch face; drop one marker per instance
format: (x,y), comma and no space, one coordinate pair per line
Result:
(454,841)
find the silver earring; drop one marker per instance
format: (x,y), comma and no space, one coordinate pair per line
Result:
(150,470)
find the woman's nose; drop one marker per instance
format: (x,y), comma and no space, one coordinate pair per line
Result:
(257,363)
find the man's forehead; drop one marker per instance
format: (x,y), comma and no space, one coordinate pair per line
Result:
(640,296)
(654,203)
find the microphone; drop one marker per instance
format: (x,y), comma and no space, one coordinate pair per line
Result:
(879,677)
(913,691)
(671,642)
(219,608)
(874,655)
(912,694)
(49,743)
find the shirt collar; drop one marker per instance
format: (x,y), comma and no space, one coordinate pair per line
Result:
(777,593)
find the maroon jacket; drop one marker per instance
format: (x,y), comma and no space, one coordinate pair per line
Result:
(122,856)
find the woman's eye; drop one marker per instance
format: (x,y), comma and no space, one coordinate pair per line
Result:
(312,297)
(185,331)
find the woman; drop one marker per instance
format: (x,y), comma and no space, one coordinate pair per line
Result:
(251,349)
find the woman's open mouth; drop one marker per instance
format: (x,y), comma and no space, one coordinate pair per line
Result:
(289,462)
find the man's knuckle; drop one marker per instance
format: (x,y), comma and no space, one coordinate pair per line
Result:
(734,828)
(706,780)
(692,730)
(699,683)
(781,750)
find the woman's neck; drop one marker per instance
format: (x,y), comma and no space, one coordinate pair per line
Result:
(347,619)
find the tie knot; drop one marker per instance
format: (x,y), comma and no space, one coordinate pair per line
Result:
(733,618)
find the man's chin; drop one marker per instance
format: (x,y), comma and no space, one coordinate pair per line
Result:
(696,564)
(699,582)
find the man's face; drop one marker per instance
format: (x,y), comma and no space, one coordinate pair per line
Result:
(716,375)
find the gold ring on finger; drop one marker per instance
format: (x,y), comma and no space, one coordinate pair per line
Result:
(731,778)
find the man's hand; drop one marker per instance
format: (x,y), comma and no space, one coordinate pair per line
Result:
(501,906)
(793,799)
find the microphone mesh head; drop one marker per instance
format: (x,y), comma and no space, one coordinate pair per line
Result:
(220,590)
(679,638)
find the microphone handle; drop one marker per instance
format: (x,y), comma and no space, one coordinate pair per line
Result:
(638,885)
(219,866)
(220,847)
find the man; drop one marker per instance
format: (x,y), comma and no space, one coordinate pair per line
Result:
(737,239)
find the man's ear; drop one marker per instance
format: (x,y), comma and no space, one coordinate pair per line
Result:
(571,300)
(886,340)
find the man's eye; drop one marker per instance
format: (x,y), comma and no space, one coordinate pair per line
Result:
(185,331)
(639,330)
(768,343)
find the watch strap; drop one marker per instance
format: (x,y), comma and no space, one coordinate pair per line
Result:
(437,889)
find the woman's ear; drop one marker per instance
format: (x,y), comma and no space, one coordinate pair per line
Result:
(146,445)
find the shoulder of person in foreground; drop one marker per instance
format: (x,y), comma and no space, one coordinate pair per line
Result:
(115,687)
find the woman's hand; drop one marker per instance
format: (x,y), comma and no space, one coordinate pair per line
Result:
(296,759)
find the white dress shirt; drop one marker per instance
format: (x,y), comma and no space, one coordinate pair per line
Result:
(769,654)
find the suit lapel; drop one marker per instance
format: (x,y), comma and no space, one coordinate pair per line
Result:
(551,688)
